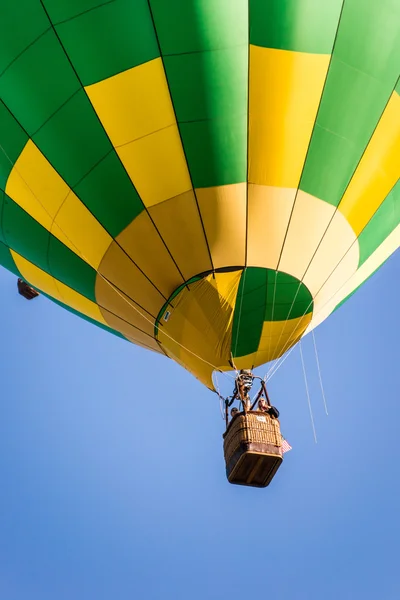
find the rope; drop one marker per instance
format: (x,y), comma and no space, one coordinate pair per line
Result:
(319,374)
(240,310)
(308,393)
(126,299)
(221,398)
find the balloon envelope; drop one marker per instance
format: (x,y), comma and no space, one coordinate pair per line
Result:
(208,179)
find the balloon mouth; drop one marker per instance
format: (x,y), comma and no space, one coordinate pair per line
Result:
(249,314)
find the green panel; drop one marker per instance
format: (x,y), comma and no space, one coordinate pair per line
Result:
(2,195)
(73,140)
(82,316)
(288,298)
(265,295)
(205,53)
(216,151)
(67,267)
(362,76)
(249,314)
(398,86)
(12,141)
(208,85)
(200,25)
(299,25)
(27,237)
(68,9)
(109,194)
(6,260)
(369,38)
(110,39)
(22,23)
(38,83)
(384,221)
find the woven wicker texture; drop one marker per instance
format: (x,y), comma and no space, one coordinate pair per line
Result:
(255,427)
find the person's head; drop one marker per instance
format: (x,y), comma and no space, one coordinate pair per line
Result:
(234,412)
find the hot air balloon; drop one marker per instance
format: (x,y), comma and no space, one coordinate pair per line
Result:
(208,179)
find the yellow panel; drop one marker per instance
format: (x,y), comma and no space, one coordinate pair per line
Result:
(377,172)
(200,325)
(276,338)
(157,165)
(49,285)
(78,229)
(179,224)
(133,103)
(327,302)
(223,211)
(143,244)
(35,186)
(318,239)
(268,219)
(133,334)
(285,90)
(117,268)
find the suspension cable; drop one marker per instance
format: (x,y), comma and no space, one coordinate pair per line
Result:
(319,374)
(308,393)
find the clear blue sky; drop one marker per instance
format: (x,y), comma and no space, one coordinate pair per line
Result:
(112,473)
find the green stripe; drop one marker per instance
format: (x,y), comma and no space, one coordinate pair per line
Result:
(22,23)
(2,196)
(112,38)
(299,25)
(75,143)
(62,11)
(249,313)
(7,261)
(12,140)
(384,221)
(73,140)
(200,25)
(208,84)
(109,194)
(38,82)
(265,295)
(362,75)
(32,241)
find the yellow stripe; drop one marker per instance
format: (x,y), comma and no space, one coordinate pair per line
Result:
(49,285)
(223,211)
(179,224)
(119,269)
(201,321)
(328,301)
(143,244)
(285,90)
(136,110)
(157,166)
(37,187)
(134,103)
(377,172)
(269,210)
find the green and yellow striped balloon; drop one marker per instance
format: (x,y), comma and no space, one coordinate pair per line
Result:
(208,179)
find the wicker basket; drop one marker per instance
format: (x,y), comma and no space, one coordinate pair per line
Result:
(252,448)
